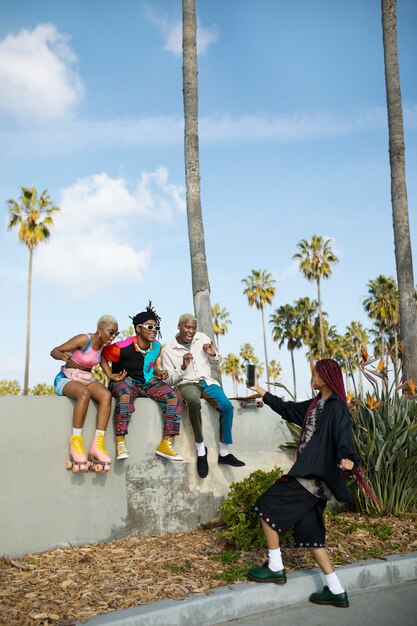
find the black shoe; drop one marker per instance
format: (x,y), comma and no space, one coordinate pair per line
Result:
(202,465)
(229,459)
(327,597)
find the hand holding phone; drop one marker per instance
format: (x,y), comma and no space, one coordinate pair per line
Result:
(250,375)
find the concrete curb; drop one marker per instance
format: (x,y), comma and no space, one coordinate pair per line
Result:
(238,601)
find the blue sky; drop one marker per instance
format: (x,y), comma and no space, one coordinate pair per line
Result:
(293,142)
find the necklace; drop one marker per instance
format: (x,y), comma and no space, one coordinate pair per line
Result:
(143,351)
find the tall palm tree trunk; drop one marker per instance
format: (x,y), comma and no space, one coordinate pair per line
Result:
(265,350)
(199,272)
(320,318)
(403,255)
(29,297)
(293,374)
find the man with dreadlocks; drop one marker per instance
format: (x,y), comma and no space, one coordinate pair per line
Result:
(136,357)
(298,499)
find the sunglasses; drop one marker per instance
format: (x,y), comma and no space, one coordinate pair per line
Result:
(150,327)
(113,333)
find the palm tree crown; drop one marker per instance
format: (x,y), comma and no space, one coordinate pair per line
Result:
(221,321)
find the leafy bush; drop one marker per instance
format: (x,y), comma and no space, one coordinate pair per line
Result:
(243,523)
(385,432)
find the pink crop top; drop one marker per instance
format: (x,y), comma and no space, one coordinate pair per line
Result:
(87,357)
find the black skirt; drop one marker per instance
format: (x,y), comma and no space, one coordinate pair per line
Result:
(287,504)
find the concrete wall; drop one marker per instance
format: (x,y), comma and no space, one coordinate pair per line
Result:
(42,505)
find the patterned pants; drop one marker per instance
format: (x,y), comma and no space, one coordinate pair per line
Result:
(127,390)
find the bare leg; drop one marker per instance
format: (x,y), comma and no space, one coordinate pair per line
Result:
(102,395)
(321,556)
(271,536)
(81,395)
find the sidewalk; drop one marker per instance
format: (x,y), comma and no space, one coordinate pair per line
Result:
(246,599)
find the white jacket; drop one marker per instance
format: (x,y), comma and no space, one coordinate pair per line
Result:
(199,367)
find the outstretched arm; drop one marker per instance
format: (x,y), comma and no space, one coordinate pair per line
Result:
(290,411)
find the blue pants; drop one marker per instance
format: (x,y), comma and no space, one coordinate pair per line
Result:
(192,392)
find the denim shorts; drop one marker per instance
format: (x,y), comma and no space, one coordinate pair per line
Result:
(59,383)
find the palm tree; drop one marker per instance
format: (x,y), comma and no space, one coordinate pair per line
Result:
(382,305)
(199,272)
(275,370)
(306,310)
(247,353)
(316,258)
(220,322)
(260,291)
(286,323)
(358,337)
(34,216)
(403,255)
(231,367)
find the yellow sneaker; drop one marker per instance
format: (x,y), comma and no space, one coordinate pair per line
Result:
(166,450)
(121,450)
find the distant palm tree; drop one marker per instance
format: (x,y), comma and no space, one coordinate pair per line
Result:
(382,306)
(247,353)
(285,329)
(33,215)
(316,258)
(358,337)
(231,367)
(275,370)
(199,272)
(402,240)
(306,310)
(260,291)
(221,322)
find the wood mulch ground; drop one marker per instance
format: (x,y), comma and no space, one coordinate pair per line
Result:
(75,583)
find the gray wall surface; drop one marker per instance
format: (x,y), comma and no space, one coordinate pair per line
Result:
(42,505)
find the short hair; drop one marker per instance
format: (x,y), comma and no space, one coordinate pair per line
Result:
(106,320)
(187,316)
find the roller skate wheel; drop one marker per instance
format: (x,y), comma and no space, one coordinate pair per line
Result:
(98,467)
(68,465)
(106,468)
(75,468)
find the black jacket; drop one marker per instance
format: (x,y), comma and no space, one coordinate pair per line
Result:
(331,442)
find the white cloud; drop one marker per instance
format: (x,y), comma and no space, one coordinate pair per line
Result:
(36,75)
(172,33)
(96,238)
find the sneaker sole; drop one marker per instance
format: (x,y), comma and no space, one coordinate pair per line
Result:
(276,581)
(167,456)
(342,605)
(121,457)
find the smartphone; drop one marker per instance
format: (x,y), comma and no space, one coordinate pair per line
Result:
(250,375)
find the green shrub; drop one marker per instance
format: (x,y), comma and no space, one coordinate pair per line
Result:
(243,524)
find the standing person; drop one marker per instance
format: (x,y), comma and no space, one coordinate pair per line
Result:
(187,360)
(75,380)
(137,356)
(298,499)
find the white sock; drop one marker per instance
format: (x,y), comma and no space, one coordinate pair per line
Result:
(224,449)
(77,431)
(201,448)
(333,583)
(100,432)
(275,563)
